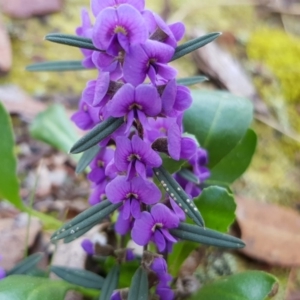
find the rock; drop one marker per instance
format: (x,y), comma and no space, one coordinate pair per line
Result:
(23,9)
(5,50)
(13,238)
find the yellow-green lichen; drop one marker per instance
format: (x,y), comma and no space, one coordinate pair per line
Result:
(280,52)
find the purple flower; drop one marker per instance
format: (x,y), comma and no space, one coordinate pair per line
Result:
(86,30)
(135,103)
(116,295)
(154,227)
(165,292)
(98,165)
(129,255)
(123,226)
(199,162)
(119,27)
(99,5)
(134,156)
(133,193)
(88,246)
(98,192)
(148,59)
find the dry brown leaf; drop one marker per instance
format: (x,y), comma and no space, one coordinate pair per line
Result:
(27,8)
(271,232)
(13,238)
(220,66)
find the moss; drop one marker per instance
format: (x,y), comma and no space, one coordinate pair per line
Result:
(280,53)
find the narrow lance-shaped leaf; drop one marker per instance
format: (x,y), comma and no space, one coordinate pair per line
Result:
(206,236)
(179,195)
(56,66)
(194,44)
(188,175)
(97,134)
(139,289)
(26,265)
(87,158)
(191,80)
(79,277)
(71,40)
(110,283)
(87,223)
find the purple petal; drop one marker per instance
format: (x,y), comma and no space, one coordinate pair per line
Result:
(159,240)
(140,169)
(178,30)
(117,189)
(97,194)
(126,209)
(83,120)
(142,229)
(123,151)
(135,208)
(148,97)
(88,246)
(135,65)
(147,154)
(174,141)
(188,148)
(168,96)
(97,175)
(122,226)
(104,61)
(116,296)
(131,170)
(122,100)
(165,293)
(149,20)
(129,255)
(159,51)
(101,88)
(178,211)
(86,29)
(165,71)
(146,190)
(183,98)
(168,236)
(159,265)
(163,215)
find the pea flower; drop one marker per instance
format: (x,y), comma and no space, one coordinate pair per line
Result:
(134,156)
(132,193)
(154,227)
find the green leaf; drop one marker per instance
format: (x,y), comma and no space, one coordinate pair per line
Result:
(54,128)
(191,80)
(194,44)
(217,207)
(139,289)
(97,134)
(235,163)
(56,66)
(171,165)
(197,234)
(71,40)
(178,255)
(178,194)
(26,265)
(250,285)
(110,283)
(79,277)
(87,158)
(75,229)
(9,183)
(219,120)
(17,287)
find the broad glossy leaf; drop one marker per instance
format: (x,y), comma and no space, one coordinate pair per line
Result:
(17,287)
(251,285)
(79,277)
(26,265)
(219,120)
(9,183)
(217,207)
(235,163)
(110,283)
(56,66)
(139,285)
(54,128)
